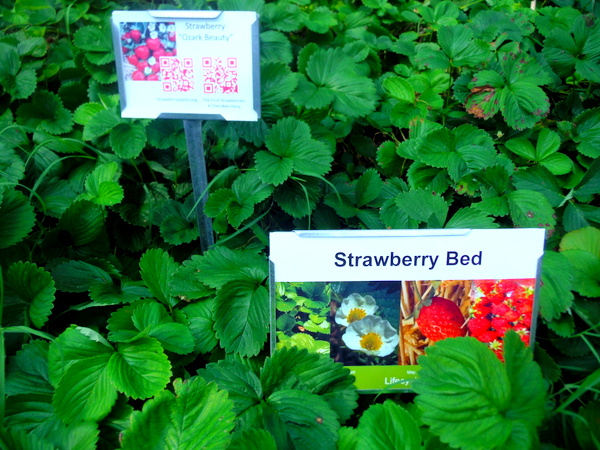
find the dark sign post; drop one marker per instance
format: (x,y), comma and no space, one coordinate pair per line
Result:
(193,136)
(190,65)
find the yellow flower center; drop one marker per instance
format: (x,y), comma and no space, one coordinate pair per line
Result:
(355,314)
(371,341)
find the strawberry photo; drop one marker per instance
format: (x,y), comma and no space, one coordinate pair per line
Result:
(143,44)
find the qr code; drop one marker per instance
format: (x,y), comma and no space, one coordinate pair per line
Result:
(220,75)
(177,74)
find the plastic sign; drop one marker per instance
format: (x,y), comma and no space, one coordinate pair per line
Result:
(375,300)
(188,64)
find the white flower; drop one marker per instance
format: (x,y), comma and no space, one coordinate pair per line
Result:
(355,307)
(371,335)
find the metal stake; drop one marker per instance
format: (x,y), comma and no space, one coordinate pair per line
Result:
(193,137)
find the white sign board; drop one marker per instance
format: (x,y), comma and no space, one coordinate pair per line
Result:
(188,64)
(374,300)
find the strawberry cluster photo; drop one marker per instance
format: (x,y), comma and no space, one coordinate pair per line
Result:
(143,44)
(483,309)
(499,306)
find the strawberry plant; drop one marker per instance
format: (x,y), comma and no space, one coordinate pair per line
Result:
(117,332)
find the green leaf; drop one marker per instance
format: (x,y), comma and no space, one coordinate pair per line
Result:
(46,113)
(201,325)
(139,369)
(197,416)
(303,426)
(582,249)
(27,371)
(321,19)
(18,440)
(18,82)
(275,47)
(102,185)
(252,440)
(530,209)
(540,180)
(283,16)
(335,74)
(84,223)
(387,425)
(400,89)
(12,168)
(423,206)
(237,378)
(85,391)
(78,276)
(186,283)
(241,317)
(292,149)
(458,44)
(220,265)
(157,269)
(555,294)
(461,150)
(17,218)
(318,374)
(471,218)
(101,123)
(587,132)
(93,39)
(128,139)
(177,229)
(31,289)
(471,400)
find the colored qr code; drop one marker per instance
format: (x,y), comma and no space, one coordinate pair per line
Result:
(220,75)
(177,74)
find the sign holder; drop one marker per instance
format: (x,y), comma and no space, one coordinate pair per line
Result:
(190,65)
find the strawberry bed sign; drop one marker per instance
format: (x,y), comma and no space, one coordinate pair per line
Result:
(376,300)
(188,64)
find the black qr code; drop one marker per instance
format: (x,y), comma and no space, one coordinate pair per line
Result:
(177,74)
(220,75)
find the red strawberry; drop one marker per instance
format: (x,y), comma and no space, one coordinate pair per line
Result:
(440,319)
(152,77)
(500,309)
(126,36)
(138,75)
(478,326)
(133,60)
(153,44)
(136,36)
(159,52)
(142,65)
(488,336)
(512,316)
(142,52)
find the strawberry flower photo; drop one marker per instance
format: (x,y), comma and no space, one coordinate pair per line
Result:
(371,335)
(355,307)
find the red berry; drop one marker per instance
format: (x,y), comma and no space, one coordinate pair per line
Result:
(478,326)
(488,336)
(142,52)
(138,75)
(152,77)
(136,36)
(158,53)
(500,309)
(132,59)
(512,316)
(142,65)
(441,319)
(500,324)
(153,44)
